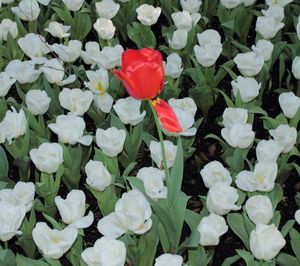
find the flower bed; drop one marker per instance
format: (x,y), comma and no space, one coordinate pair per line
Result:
(149,132)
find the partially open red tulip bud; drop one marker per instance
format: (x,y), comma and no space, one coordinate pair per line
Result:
(166,116)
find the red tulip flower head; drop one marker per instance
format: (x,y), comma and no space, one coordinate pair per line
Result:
(142,75)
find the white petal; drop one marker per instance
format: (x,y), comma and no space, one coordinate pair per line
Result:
(110,226)
(85,221)
(86,140)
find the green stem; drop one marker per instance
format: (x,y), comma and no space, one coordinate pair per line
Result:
(161,140)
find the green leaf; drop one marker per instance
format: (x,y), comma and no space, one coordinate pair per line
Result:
(236,223)
(276,195)
(231,260)
(198,257)
(150,239)
(247,257)
(287,228)
(7,257)
(228,101)
(192,219)
(3,164)
(176,176)
(23,261)
(284,259)
(295,243)
(106,199)
(141,35)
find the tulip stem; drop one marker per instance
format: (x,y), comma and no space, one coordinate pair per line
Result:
(161,140)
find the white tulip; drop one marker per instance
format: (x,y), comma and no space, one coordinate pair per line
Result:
(230,3)
(54,72)
(14,124)
(23,72)
(105,28)
(132,213)
(247,87)
(21,195)
(182,20)
(37,102)
(153,180)
(207,55)
(98,81)
(249,2)
(232,116)
(76,100)
(68,53)
(147,14)
(249,64)
(221,199)
(259,209)
(264,48)
(156,153)
(34,45)
(168,260)
(72,209)
(210,229)
(209,48)
(47,157)
(8,26)
(268,151)
(261,179)
(296,67)
(111,141)
(268,27)
(107,9)
(266,242)
(110,57)
(186,104)
(106,251)
(214,172)
(274,11)
(209,37)
(98,177)
(73,5)
(6,82)
(128,110)
(70,128)
(282,3)
(10,220)
(98,84)
(191,6)
(27,10)
(239,135)
(285,136)
(186,122)
(173,67)
(179,39)
(53,243)
(289,104)
(91,54)
(58,30)
(297,216)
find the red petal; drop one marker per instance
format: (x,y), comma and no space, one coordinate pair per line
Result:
(166,116)
(142,73)
(127,83)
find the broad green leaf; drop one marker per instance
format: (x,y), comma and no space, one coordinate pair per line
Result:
(284,259)
(231,260)
(236,223)
(198,256)
(295,242)
(176,176)
(23,261)
(287,228)
(247,257)
(3,164)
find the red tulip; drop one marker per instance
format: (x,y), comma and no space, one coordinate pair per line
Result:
(142,73)
(166,116)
